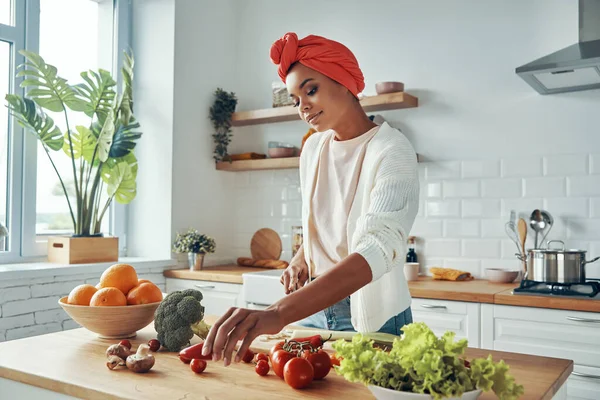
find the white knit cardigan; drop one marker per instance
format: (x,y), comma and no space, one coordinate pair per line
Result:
(380,219)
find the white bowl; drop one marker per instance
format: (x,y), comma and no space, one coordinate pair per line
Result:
(501,275)
(389,394)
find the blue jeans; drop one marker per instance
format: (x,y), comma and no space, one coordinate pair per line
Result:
(337,318)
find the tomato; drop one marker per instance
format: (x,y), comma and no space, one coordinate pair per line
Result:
(278,346)
(194,351)
(248,357)
(298,373)
(262,367)
(316,342)
(320,361)
(125,343)
(154,345)
(261,356)
(335,360)
(184,360)
(197,365)
(279,360)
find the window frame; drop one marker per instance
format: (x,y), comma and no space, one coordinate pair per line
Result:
(24,244)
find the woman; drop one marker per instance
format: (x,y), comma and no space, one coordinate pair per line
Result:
(360,194)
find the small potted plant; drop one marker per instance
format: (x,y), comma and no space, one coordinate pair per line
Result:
(221,116)
(196,245)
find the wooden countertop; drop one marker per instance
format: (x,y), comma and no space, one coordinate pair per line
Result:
(219,273)
(73,363)
(476,291)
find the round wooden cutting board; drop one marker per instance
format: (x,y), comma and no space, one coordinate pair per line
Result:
(265,245)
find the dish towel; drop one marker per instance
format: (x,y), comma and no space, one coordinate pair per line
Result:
(448,274)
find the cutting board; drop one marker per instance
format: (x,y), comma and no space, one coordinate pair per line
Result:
(264,343)
(265,245)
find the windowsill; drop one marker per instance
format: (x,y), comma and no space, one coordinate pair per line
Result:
(44,269)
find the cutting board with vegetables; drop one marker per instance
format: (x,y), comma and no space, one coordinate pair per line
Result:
(265,342)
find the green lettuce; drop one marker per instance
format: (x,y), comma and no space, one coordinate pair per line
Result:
(421,362)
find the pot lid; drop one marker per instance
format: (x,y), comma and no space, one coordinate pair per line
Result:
(550,250)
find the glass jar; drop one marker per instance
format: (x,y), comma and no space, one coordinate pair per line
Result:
(296,239)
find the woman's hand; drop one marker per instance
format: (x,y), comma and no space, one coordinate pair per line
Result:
(236,324)
(295,275)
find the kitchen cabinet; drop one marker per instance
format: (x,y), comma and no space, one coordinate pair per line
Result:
(218,296)
(462,318)
(565,334)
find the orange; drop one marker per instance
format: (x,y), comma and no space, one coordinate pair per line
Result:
(143,280)
(120,276)
(81,295)
(108,296)
(145,293)
(98,286)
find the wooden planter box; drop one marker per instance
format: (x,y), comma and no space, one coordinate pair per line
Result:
(70,250)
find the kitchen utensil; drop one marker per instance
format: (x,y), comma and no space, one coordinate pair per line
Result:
(500,275)
(511,231)
(265,245)
(281,152)
(115,322)
(536,223)
(522,229)
(549,222)
(383,338)
(556,265)
(272,264)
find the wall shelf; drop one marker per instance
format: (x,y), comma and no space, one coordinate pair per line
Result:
(390,101)
(256,165)
(267,163)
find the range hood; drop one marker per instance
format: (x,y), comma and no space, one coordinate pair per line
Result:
(573,68)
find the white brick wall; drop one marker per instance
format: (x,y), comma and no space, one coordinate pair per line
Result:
(29,306)
(463,208)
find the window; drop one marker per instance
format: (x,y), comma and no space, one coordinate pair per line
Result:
(74,36)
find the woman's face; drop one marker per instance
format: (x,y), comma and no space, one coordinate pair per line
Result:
(321,101)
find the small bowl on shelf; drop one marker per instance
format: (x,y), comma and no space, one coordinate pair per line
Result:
(281,150)
(389,87)
(498,275)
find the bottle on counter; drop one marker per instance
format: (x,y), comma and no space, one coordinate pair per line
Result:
(411,256)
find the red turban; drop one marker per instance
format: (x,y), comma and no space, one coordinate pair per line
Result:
(328,57)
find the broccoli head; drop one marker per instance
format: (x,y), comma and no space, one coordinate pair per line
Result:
(178,318)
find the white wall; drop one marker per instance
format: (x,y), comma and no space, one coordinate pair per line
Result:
(458,57)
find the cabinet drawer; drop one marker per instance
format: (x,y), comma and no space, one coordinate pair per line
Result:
(203,286)
(441,316)
(564,334)
(584,384)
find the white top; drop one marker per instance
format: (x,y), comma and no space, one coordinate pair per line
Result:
(339,167)
(381,216)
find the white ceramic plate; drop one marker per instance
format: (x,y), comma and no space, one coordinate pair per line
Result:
(389,394)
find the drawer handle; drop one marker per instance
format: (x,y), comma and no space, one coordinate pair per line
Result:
(593,321)
(579,374)
(205,286)
(433,306)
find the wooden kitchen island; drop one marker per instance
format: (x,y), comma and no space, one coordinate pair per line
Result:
(72,364)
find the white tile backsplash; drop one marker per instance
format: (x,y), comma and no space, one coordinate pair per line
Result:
(545,187)
(464,206)
(521,166)
(502,188)
(480,169)
(565,165)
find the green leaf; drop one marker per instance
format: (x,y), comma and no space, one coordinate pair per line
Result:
(46,88)
(124,139)
(35,120)
(130,159)
(99,93)
(106,137)
(83,142)
(120,181)
(124,106)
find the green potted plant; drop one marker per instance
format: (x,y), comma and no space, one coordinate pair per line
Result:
(220,114)
(104,166)
(196,245)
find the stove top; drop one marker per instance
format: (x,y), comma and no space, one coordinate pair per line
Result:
(584,290)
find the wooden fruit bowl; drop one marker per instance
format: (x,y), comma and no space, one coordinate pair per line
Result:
(116,322)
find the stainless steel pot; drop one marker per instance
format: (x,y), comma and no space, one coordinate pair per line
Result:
(556,265)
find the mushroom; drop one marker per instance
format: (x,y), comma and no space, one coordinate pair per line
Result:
(114,362)
(142,360)
(118,350)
